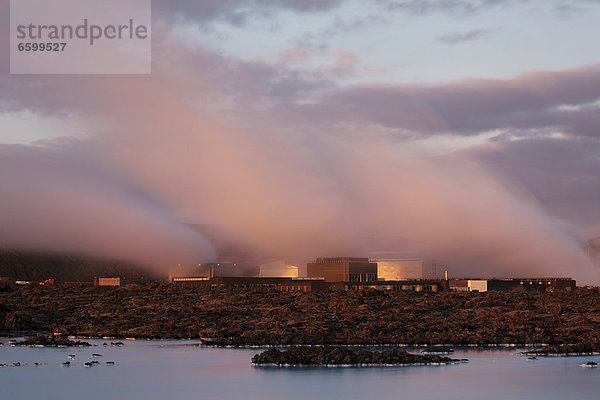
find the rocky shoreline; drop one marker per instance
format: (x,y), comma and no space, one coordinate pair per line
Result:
(565,350)
(327,356)
(49,341)
(267,317)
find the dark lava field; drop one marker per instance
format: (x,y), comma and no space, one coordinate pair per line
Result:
(234,316)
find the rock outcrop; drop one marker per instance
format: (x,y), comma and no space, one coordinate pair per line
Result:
(342,356)
(50,341)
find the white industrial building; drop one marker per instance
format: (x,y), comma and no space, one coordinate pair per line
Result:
(477,285)
(278,269)
(397,267)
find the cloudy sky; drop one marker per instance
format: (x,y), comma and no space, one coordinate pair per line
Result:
(464,129)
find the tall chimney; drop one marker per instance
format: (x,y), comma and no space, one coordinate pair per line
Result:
(446,274)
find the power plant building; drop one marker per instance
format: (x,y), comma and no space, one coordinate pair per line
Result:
(342,269)
(397,270)
(352,273)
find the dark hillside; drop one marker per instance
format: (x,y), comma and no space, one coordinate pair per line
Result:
(30,266)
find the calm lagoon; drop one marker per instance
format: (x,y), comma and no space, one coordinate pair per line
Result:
(183,370)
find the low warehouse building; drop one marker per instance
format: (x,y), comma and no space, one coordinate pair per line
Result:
(531,284)
(108,281)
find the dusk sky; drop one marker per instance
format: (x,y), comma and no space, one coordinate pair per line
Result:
(302,128)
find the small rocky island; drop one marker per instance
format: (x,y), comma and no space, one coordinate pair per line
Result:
(343,356)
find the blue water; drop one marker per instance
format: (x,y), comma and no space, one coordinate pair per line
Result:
(181,370)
